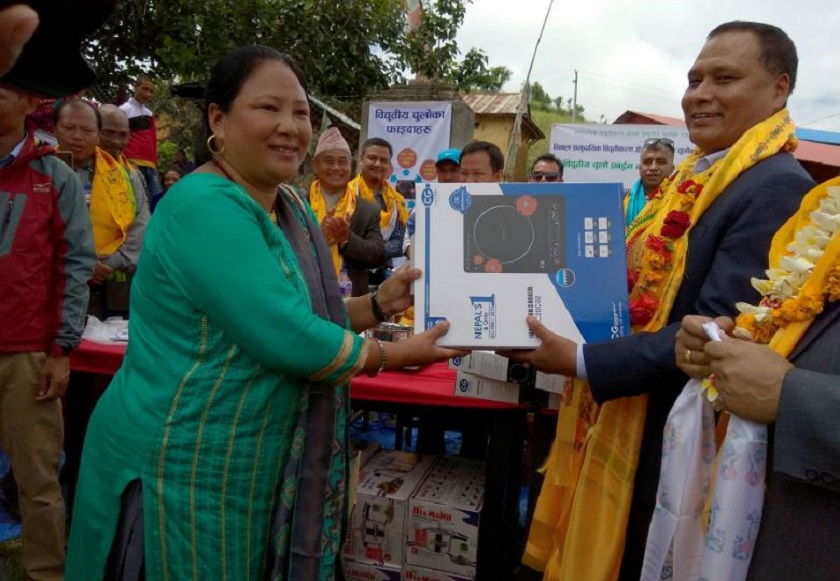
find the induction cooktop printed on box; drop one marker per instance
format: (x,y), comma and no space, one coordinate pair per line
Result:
(514,234)
(492,254)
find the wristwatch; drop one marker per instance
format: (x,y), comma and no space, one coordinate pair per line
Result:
(377,309)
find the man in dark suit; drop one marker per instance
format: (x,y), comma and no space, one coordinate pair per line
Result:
(799,397)
(350,223)
(742,77)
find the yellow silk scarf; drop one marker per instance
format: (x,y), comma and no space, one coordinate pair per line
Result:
(394,202)
(112,204)
(579,525)
(345,208)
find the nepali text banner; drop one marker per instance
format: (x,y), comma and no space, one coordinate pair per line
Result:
(417,132)
(598,153)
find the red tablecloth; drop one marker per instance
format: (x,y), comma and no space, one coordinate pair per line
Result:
(98,358)
(432,385)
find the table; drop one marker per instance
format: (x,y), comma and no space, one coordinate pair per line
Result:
(97,358)
(426,393)
(432,385)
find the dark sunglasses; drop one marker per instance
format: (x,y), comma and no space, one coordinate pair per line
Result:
(669,143)
(549,176)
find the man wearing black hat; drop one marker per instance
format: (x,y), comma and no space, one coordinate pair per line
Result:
(46,259)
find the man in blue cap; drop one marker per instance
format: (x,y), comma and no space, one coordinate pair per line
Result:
(448,166)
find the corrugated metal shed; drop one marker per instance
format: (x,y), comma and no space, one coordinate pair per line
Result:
(493,103)
(503,104)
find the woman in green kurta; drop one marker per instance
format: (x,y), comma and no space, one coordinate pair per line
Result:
(228,416)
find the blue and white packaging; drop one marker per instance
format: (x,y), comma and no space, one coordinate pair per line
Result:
(492,254)
(469,385)
(484,363)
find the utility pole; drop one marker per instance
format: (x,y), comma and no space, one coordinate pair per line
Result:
(574,103)
(516,134)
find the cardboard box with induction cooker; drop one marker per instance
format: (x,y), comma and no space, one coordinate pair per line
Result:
(444,515)
(492,254)
(377,528)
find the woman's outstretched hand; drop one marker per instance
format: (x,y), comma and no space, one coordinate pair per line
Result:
(421,349)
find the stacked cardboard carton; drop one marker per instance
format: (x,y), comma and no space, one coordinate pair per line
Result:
(485,375)
(443,521)
(376,536)
(416,518)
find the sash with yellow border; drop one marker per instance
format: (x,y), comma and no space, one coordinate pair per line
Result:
(345,208)
(395,208)
(113,206)
(579,526)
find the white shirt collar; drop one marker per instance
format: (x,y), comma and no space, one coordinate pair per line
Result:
(12,156)
(708,161)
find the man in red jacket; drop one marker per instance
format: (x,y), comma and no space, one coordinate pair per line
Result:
(142,147)
(46,259)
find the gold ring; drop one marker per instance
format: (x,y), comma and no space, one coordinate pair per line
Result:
(687,356)
(718,404)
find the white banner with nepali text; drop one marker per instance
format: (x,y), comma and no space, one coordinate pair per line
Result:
(598,153)
(417,132)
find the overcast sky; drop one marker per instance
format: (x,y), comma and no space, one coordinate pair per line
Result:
(635,55)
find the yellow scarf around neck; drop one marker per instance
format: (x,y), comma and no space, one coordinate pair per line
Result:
(394,202)
(579,526)
(113,206)
(345,208)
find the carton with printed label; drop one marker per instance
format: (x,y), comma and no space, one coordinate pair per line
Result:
(492,366)
(550,382)
(494,254)
(354,571)
(413,573)
(468,385)
(444,517)
(377,530)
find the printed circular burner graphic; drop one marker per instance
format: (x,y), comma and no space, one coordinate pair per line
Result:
(504,234)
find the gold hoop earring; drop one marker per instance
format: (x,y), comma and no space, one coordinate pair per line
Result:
(210,141)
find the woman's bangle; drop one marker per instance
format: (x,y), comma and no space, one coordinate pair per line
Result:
(378,313)
(383,358)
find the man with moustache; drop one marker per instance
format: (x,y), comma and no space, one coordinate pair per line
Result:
(113,138)
(482,162)
(656,164)
(705,235)
(118,213)
(350,223)
(372,184)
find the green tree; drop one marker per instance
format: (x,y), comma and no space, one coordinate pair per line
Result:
(472,73)
(558,111)
(350,49)
(347,47)
(540,99)
(432,50)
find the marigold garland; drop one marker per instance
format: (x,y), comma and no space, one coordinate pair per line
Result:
(785,299)
(789,293)
(647,280)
